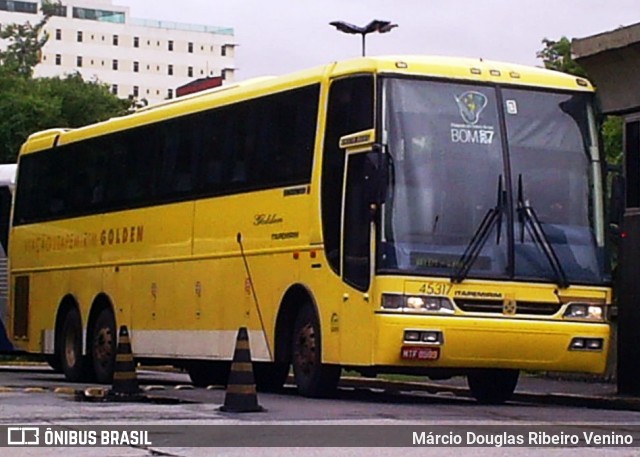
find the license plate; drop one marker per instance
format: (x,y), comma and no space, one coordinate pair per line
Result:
(420,353)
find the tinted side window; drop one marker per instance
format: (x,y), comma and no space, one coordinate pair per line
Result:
(350,109)
(258,144)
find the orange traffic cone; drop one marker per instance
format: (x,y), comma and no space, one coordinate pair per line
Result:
(125,381)
(241,396)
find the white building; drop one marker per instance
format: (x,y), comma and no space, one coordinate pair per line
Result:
(143,58)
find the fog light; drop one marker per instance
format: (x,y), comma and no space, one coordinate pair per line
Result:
(410,335)
(595,344)
(429,337)
(577,343)
(586,344)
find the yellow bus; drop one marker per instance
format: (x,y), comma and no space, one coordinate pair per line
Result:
(421,215)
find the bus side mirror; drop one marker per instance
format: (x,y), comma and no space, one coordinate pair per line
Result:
(377,171)
(376,165)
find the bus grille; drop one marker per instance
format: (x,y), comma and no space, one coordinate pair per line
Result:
(496,306)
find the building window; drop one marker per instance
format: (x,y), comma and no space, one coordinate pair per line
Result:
(57,9)
(116,17)
(19,7)
(223,50)
(190,47)
(170,70)
(114,89)
(79,36)
(136,91)
(79,61)
(170,45)
(58,34)
(58,59)
(114,65)
(136,42)
(190,72)
(170,94)
(115,40)
(223,74)
(136,67)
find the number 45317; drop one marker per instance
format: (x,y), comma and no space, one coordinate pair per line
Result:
(435,288)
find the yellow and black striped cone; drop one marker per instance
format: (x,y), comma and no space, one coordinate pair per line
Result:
(125,381)
(241,396)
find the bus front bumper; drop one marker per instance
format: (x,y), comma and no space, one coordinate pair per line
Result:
(491,342)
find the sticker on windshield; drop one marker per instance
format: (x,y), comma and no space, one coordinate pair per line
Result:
(512,107)
(471,104)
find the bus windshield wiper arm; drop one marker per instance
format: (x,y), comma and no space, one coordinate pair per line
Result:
(480,237)
(529,219)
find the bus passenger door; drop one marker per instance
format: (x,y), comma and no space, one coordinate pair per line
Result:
(356,259)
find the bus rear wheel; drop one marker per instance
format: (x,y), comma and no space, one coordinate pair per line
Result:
(70,346)
(313,378)
(492,386)
(103,346)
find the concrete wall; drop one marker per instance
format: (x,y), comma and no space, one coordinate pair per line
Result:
(612,61)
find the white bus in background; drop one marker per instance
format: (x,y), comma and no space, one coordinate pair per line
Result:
(7,186)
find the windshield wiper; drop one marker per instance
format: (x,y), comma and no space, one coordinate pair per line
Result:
(529,219)
(480,237)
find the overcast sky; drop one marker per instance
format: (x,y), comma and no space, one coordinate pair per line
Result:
(279,36)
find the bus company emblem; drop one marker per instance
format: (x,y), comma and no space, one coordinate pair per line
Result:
(267,219)
(509,308)
(471,104)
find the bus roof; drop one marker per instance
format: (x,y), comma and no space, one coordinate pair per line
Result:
(467,69)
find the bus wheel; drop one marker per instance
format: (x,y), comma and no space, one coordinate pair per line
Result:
(103,346)
(71,359)
(492,386)
(204,374)
(270,376)
(314,379)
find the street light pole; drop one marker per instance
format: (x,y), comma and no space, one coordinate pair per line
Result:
(373,26)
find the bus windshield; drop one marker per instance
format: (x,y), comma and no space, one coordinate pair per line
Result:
(510,175)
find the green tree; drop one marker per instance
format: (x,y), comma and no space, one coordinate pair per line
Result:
(25,42)
(28,105)
(556,55)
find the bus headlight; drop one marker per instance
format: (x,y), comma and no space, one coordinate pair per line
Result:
(417,303)
(585,312)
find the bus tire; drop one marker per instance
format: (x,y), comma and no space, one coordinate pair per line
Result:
(205,374)
(492,386)
(313,378)
(103,346)
(70,343)
(270,376)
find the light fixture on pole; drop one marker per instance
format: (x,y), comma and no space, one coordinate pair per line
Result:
(373,26)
